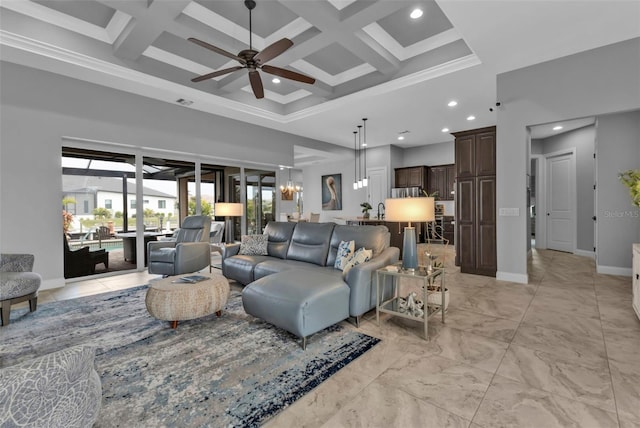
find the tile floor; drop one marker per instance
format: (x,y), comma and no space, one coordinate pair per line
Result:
(561,351)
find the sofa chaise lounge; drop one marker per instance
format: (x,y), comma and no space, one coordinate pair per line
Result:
(295,285)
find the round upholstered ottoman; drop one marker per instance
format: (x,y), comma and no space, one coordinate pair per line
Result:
(169,299)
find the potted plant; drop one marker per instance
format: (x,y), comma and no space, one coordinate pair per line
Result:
(631,179)
(365,209)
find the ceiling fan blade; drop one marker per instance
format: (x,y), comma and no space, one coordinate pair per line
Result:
(217,50)
(273,50)
(288,74)
(216,74)
(256,84)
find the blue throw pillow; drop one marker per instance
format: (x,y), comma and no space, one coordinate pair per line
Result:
(345,251)
(360,256)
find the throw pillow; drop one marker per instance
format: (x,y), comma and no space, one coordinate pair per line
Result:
(345,251)
(254,245)
(360,256)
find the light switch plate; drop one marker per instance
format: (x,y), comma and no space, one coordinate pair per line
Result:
(509,212)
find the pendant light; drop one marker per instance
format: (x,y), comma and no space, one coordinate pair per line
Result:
(359,157)
(365,180)
(355,161)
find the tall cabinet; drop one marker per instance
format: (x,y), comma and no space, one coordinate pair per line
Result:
(475,154)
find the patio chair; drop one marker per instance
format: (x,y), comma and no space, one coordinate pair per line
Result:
(83,261)
(17,283)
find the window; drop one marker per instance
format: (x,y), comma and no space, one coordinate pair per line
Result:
(146,201)
(133,204)
(162,204)
(107,204)
(86,207)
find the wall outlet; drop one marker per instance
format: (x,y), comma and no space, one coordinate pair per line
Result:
(509,212)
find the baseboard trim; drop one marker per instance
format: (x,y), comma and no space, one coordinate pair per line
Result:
(585,253)
(48,284)
(513,277)
(614,270)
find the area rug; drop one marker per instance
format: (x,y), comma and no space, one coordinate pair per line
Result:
(233,370)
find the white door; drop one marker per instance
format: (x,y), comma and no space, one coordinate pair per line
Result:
(561,202)
(377,189)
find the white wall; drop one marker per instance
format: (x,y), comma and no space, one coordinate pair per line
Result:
(40,108)
(430,154)
(618,221)
(599,81)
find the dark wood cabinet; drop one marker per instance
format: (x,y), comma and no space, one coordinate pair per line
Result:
(476,201)
(451,181)
(415,176)
(449,229)
(441,179)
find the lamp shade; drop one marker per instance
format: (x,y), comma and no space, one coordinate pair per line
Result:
(228,209)
(410,209)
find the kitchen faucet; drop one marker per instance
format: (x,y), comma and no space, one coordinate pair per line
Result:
(380,217)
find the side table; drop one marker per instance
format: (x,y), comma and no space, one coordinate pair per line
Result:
(392,305)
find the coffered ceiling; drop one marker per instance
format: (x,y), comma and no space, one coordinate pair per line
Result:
(369,58)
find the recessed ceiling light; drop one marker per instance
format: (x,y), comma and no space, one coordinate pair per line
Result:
(275,80)
(472,117)
(400,137)
(557,128)
(416,13)
(184,102)
(452,103)
(445,129)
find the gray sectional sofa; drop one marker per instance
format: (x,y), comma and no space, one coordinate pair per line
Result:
(295,286)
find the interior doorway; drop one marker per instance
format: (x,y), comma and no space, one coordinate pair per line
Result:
(561,207)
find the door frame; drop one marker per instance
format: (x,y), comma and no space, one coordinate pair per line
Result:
(541,200)
(571,151)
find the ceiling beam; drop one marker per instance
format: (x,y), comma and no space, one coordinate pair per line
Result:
(146,27)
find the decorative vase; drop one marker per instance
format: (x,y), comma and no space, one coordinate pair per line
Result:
(435,297)
(365,215)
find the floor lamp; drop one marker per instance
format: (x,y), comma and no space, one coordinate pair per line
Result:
(228,210)
(410,210)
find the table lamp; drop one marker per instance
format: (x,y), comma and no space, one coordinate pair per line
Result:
(410,210)
(228,210)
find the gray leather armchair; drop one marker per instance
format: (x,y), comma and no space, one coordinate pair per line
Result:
(190,252)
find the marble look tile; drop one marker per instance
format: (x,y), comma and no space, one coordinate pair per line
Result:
(385,354)
(582,349)
(513,404)
(626,353)
(586,383)
(393,408)
(451,385)
(527,289)
(621,324)
(482,325)
(568,285)
(626,385)
(629,423)
(575,307)
(568,276)
(468,348)
(87,289)
(317,406)
(584,295)
(581,326)
(501,304)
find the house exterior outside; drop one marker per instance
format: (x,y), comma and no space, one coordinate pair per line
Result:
(90,193)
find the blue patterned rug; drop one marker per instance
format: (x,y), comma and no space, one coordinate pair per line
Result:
(233,370)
